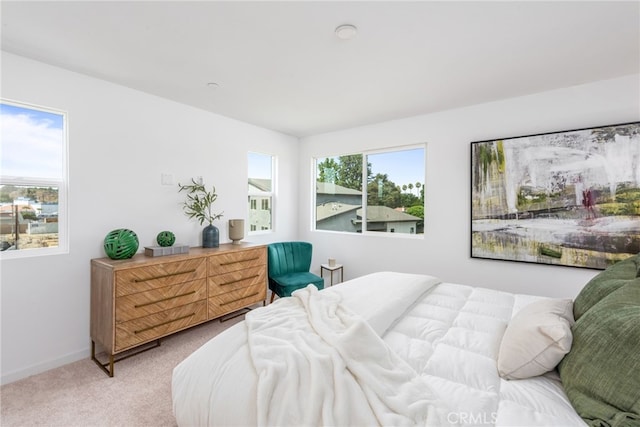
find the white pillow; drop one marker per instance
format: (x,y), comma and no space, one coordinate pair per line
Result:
(536,339)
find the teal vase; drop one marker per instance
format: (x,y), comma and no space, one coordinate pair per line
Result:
(210,237)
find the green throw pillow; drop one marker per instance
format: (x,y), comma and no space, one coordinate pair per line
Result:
(606,282)
(601,373)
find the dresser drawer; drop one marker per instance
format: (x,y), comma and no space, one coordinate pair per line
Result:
(236,299)
(154,326)
(142,304)
(223,283)
(237,260)
(155,276)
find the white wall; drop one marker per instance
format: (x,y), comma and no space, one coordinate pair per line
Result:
(121,141)
(444,252)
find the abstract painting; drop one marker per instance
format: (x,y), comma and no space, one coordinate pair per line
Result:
(567,198)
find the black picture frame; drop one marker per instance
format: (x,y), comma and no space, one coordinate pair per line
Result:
(569,198)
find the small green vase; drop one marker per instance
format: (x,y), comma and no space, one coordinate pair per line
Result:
(165,238)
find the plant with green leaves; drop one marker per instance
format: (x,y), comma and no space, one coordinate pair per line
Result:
(199,202)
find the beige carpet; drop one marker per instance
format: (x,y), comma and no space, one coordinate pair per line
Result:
(81,394)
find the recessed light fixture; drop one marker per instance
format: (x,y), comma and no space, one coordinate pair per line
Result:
(346,32)
(213,85)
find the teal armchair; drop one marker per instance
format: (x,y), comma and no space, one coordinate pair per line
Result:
(288,266)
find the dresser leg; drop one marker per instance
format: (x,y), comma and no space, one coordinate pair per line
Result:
(126,355)
(101,365)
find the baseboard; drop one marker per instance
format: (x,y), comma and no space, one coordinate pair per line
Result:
(39,368)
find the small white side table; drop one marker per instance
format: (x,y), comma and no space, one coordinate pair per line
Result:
(331,269)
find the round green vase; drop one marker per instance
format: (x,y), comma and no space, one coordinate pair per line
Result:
(121,244)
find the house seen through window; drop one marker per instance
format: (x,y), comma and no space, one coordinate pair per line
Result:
(261,192)
(374,192)
(33,180)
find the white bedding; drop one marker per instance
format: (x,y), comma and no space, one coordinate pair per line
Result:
(441,339)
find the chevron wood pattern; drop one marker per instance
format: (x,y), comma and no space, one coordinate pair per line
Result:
(224,283)
(221,304)
(225,263)
(142,304)
(149,328)
(158,275)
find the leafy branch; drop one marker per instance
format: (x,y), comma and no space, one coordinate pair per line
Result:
(199,202)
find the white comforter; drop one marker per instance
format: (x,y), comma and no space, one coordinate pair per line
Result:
(312,360)
(319,363)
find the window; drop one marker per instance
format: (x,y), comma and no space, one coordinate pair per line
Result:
(33,180)
(379,192)
(261,193)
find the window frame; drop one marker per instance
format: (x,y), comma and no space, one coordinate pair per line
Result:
(271,195)
(365,153)
(62,184)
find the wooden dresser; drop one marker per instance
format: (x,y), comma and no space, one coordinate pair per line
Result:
(140,300)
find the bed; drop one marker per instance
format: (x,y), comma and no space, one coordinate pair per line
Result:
(407,349)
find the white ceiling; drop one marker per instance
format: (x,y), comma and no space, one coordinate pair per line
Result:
(279,65)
